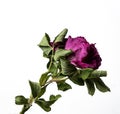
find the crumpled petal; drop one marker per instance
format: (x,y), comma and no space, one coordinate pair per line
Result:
(84,55)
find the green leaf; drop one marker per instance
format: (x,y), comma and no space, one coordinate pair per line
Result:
(63,86)
(98,73)
(45,45)
(77,80)
(67,68)
(35,88)
(45,41)
(46,51)
(43,90)
(20,100)
(53,68)
(61,36)
(84,73)
(43,79)
(43,104)
(53,99)
(90,86)
(100,85)
(25,108)
(61,53)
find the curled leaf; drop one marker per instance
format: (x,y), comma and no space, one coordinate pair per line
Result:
(63,86)
(100,85)
(35,88)
(67,68)
(21,100)
(61,35)
(85,73)
(61,53)
(45,105)
(43,79)
(45,45)
(90,86)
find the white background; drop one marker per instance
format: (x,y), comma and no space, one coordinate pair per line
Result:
(23,24)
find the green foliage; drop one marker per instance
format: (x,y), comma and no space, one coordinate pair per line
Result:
(46,51)
(61,36)
(66,67)
(63,86)
(53,67)
(53,99)
(45,105)
(59,69)
(35,88)
(98,73)
(100,85)
(25,108)
(90,86)
(61,53)
(21,100)
(45,45)
(85,73)
(43,90)
(91,78)
(43,79)
(76,79)
(45,41)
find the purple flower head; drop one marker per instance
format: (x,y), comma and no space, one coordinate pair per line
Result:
(84,55)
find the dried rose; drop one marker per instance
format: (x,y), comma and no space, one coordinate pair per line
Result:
(84,55)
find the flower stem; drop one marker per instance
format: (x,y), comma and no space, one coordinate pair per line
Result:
(27,106)
(51,58)
(31,99)
(22,112)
